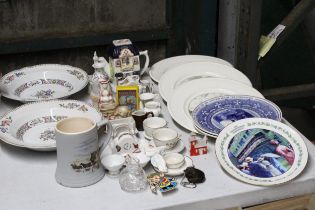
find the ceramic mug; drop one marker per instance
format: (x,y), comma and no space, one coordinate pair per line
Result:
(78,153)
(139,116)
(153,123)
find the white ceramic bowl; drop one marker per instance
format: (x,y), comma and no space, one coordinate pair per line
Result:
(153,123)
(174,160)
(113,163)
(165,137)
(153,106)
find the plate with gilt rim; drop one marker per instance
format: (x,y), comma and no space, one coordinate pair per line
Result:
(43,82)
(159,68)
(261,151)
(32,125)
(213,115)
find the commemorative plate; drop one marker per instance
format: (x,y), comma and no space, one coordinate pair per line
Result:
(43,82)
(213,115)
(261,151)
(189,95)
(159,68)
(180,74)
(32,125)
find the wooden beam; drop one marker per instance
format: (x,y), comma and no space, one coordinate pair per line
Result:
(290,92)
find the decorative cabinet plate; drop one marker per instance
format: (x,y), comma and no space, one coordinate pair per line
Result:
(261,151)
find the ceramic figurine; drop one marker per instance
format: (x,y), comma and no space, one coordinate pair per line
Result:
(100,89)
(198,145)
(125,59)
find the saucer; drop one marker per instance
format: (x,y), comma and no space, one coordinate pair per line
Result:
(180,170)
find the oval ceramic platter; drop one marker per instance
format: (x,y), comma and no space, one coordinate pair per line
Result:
(261,151)
(43,82)
(32,125)
(180,74)
(213,115)
(159,68)
(189,95)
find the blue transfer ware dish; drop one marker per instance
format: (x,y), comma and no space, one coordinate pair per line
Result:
(213,115)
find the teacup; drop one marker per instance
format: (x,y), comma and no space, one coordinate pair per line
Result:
(113,163)
(146,97)
(174,160)
(139,116)
(78,153)
(165,137)
(153,106)
(153,123)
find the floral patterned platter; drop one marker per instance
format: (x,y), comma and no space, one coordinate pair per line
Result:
(32,125)
(159,68)
(190,94)
(43,82)
(183,73)
(213,115)
(261,151)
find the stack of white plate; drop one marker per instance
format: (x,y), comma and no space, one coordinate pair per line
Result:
(187,81)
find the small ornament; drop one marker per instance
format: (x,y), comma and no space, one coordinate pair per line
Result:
(198,145)
(159,181)
(194,176)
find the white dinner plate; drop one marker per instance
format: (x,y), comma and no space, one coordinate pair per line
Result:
(159,68)
(43,82)
(261,151)
(182,73)
(32,125)
(189,95)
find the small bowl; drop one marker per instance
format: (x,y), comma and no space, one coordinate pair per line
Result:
(174,160)
(143,159)
(113,163)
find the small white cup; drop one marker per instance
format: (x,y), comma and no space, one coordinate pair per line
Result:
(153,106)
(153,123)
(146,97)
(165,137)
(113,163)
(174,160)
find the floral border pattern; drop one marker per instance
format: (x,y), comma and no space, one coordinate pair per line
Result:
(5,124)
(10,78)
(31,124)
(73,105)
(48,134)
(27,85)
(76,73)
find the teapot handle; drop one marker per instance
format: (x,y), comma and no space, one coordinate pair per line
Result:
(147,61)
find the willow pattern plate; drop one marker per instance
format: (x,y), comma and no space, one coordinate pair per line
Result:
(43,82)
(159,68)
(261,151)
(189,95)
(183,73)
(32,125)
(213,115)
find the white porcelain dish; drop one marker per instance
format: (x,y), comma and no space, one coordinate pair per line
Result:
(261,151)
(183,73)
(159,68)
(43,82)
(32,125)
(189,95)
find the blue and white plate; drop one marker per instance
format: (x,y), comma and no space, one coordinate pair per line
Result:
(213,115)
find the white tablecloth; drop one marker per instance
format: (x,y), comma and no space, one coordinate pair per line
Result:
(27,182)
